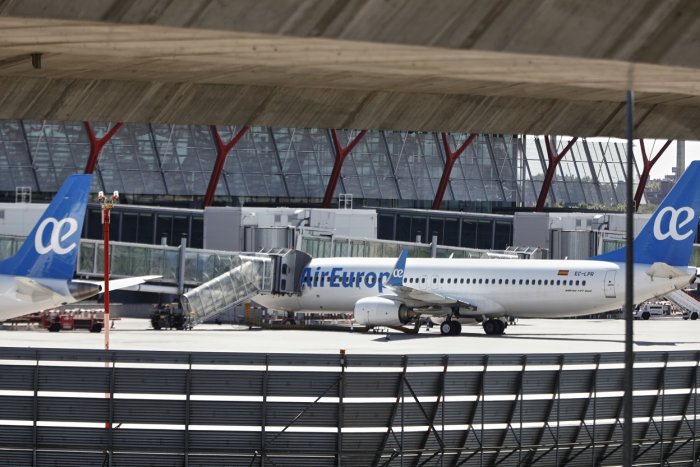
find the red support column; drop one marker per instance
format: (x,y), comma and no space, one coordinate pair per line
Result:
(449,163)
(96,144)
(554,160)
(644,176)
(222,150)
(340,155)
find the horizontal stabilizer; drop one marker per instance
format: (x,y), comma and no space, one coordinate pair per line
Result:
(665,271)
(117,284)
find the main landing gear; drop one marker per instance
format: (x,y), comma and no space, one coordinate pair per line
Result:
(494,326)
(451,328)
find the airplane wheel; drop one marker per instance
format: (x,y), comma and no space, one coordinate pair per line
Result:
(446,328)
(456,328)
(694,316)
(500,326)
(489,327)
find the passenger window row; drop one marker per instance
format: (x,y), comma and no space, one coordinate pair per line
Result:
(467,281)
(450,280)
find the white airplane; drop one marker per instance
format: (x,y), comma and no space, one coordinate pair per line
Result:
(384,292)
(40,275)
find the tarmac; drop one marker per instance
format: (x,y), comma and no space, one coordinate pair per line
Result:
(527,337)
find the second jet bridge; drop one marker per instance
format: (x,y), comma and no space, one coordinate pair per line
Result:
(275,271)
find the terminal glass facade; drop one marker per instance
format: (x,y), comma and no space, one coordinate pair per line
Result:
(172,164)
(592,174)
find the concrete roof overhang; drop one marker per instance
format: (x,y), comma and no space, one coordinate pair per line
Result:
(103,71)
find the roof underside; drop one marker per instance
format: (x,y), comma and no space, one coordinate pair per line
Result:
(501,67)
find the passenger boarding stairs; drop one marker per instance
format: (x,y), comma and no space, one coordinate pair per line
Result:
(686,302)
(270,271)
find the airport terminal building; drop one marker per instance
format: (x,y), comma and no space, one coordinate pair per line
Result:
(418,126)
(160,164)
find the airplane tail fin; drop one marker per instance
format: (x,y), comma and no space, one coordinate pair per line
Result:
(396,278)
(669,234)
(51,249)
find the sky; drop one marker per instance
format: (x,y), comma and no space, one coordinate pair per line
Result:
(668,160)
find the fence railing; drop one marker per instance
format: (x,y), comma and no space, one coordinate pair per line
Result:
(206,408)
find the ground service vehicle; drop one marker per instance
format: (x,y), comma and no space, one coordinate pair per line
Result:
(650,309)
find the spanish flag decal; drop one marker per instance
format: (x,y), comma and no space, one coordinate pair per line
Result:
(563,272)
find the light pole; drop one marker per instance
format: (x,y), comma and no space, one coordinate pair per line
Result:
(107,205)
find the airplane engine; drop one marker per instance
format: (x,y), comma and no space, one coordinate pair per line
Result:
(378,311)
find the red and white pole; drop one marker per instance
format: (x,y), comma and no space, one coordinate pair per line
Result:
(107,205)
(106,209)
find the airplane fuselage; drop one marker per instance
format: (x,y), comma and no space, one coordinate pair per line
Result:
(518,288)
(21,296)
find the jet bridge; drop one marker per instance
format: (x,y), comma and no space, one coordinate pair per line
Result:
(276,271)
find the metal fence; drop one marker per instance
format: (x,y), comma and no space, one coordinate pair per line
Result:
(95,407)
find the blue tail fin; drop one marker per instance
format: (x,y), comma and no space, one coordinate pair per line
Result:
(396,278)
(51,249)
(669,235)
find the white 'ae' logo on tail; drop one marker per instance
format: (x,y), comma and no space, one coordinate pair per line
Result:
(398,273)
(675,223)
(57,238)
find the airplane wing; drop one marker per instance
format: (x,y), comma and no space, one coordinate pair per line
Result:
(116,284)
(416,298)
